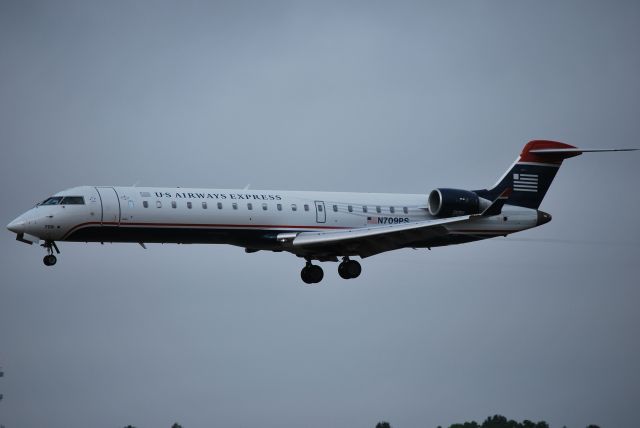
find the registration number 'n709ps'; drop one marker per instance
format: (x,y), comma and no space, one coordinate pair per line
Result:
(387,220)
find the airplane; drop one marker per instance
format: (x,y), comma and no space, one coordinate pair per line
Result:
(316,226)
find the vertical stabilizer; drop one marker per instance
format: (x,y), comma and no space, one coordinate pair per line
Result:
(531,174)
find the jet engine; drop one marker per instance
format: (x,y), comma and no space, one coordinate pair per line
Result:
(454,202)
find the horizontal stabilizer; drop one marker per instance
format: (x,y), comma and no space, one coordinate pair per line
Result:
(576,151)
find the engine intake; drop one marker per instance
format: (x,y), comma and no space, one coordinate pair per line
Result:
(453,202)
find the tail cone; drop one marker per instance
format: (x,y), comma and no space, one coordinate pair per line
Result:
(543,218)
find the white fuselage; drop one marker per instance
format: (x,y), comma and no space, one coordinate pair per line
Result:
(322,226)
(248,218)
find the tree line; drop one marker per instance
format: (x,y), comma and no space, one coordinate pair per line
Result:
(495,421)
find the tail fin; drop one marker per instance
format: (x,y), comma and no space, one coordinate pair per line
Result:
(531,174)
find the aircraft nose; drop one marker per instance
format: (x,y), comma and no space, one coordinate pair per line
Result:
(543,218)
(17,226)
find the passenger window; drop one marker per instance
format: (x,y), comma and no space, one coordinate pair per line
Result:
(279,206)
(219,205)
(306,207)
(204,205)
(249,206)
(158,204)
(189,204)
(235,205)
(405,210)
(378,210)
(319,208)
(145,204)
(264,207)
(294,207)
(174,204)
(364,209)
(392,210)
(335,208)
(350,208)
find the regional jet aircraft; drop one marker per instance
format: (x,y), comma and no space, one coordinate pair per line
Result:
(321,226)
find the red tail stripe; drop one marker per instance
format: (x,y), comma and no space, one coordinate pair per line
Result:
(554,158)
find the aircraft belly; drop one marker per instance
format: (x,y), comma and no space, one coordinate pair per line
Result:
(259,239)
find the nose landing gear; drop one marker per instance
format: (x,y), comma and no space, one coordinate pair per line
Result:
(349,269)
(50,259)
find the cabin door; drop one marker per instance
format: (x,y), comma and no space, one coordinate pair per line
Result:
(110,206)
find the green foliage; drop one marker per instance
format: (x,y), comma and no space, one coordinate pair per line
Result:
(499,421)
(472,424)
(176,425)
(383,424)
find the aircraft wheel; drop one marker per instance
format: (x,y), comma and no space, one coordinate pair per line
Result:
(50,260)
(342,271)
(317,274)
(354,269)
(349,269)
(306,275)
(311,274)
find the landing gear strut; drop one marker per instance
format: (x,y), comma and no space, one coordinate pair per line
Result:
(349,269)
(311,274)
(50,259)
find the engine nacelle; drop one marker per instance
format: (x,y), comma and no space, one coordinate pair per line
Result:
(454,202)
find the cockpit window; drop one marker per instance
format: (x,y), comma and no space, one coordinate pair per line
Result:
(55,200)
(72,200)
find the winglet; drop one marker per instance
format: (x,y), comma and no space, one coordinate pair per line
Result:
(496,206)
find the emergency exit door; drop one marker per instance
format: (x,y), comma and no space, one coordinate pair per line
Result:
(321,214)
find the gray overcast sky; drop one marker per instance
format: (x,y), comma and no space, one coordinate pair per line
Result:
(358,96)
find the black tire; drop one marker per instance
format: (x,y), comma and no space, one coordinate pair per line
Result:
(50,260)
(342,271)
(316,273)
(305,275)
(353,269)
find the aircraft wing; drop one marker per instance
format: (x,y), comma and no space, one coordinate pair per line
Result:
(373,240)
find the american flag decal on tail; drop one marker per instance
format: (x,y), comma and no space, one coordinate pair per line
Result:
(525,182)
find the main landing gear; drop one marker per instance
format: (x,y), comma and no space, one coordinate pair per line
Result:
(50,259)
(313,274)
(349,269)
